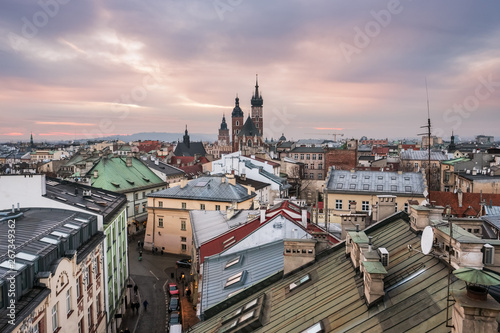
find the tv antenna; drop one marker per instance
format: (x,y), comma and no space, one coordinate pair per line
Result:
(428,126)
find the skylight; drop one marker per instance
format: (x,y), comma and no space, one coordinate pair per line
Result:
(232,262)
(201,184)
(59,234)
(316,328)
(49,240)
(301,281)
(72,226)
(234,279)
(26,256)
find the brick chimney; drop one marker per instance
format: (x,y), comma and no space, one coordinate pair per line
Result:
(262,215)
(460,196)
(474,311)
(355,241)
(298,252)
(373,280)
(231,180)
(183,182)
(129,161)
(385,207)
(303,220)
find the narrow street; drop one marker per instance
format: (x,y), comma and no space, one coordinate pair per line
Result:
(152,275)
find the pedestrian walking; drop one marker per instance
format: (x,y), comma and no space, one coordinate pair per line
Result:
(135,289)
(145,303)
(142,244)
(127,330)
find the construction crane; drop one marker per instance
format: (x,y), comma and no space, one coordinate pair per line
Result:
(334,135)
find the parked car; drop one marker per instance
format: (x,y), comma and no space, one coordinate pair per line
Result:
(185,263)
(172,289)
(175,318)
(175,328)
(174,304)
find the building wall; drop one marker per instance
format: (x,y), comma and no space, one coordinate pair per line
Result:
(341,159)
(359,198)
(90,304)
(478,186)
(314,164)
(176,234)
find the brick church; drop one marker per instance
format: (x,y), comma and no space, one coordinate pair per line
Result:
(246,135)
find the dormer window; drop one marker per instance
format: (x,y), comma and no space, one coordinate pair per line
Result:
(232,262)
(300,282)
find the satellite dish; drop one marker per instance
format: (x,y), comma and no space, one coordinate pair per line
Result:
(427,240)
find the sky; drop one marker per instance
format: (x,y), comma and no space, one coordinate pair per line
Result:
(82,69)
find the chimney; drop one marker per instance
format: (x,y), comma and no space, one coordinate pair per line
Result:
(183,182)
(157,162)
(298,252)
(386,206)
(243,176)
(356,240)
(474,310)
(352,207)
(13,208)
(129,161)
(460,195)
(223,179)
(231,180)
(373,280)
(96,173)
(230,213)
(304,217)
(18,207)
(262,215)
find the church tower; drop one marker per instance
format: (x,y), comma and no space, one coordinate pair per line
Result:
(223,138)
(236,124)
(256,113)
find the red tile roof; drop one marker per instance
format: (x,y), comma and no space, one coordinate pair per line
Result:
(471,202)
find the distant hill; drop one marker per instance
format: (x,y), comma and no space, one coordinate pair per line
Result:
(167,137)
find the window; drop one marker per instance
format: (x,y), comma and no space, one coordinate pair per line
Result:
(55,320)
(406,207)
(160,204)
(301,156)
(320,176)
(90,319)
(320,166)
(136,209)
(79,288)
(98,304)
(296,156)
(416,165)
(160,222)
(394,188)
(395,207)
(143,207)
(183,205)
(320,157)
(80,326)
(217,207)
(234,279)
(407,188)
(340,186)
(352,186)
(380,187)
(136,196)
(314,156)
(308,156)
(183,239)
(68,300)
(338,203)
(311,175)
(202,206)
(183,224)
(365,205)
(143,195)
(306,166)
(366,186)
(232,262)
(183,247)
(301,281)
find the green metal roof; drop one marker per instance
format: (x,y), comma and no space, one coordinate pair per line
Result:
(415,292)
(374,267)
(477,276)
(456,160)
(115,175)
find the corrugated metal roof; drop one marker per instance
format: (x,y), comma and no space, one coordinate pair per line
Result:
(210,188)
(423,155)
(207,225)
(379,182)
(415,299)
(257,263)
(492,210)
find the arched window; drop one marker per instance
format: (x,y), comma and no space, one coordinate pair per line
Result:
(237,123)
(249,143)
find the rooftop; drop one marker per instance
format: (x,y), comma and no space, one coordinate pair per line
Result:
(209,188)
(376,182)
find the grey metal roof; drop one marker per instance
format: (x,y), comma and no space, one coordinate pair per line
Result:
(311,150)
(415,292)
(492,210)
(103,202)
(207,225)
(268,175)
(210,188)
(494,220)
(257,263)
(164,168)
(193,148)
(376,182)
(423,155)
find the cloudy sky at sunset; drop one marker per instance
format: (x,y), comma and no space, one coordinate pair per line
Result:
(79,69)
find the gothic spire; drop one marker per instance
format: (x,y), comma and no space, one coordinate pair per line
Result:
(257,97)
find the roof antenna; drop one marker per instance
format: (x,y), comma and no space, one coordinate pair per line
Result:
(428,126)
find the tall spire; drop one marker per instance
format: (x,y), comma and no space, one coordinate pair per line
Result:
(257,97)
